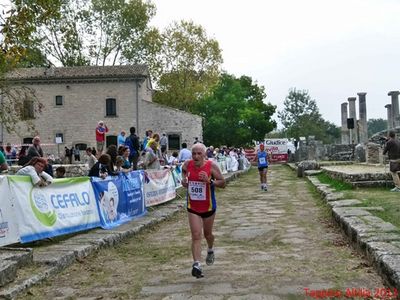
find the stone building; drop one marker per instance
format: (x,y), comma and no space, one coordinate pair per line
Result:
(75,98)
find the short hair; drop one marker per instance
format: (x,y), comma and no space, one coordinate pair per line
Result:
(200,146)
(132,130)
(392,133)
(104,159)
(184,145)
(35,160)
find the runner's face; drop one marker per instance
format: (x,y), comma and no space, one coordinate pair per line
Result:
(198,155)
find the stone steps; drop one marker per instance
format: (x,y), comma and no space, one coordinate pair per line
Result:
(12,259)
(374,183)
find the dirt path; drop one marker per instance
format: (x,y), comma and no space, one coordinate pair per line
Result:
(269,245)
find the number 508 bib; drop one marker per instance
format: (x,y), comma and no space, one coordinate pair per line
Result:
(197,190)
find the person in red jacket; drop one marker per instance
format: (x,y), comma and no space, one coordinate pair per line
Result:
(200,177)
(101,131)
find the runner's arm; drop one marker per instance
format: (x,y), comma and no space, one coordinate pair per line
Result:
(219,180)
(184,180)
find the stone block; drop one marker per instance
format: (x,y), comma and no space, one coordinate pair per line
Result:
(345,202)
(8,271)
(58,258)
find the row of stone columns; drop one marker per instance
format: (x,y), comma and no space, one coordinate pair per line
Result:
(359,134)
(393,117)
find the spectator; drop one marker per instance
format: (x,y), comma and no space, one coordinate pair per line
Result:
(173,160)
(102,167)
(164,143)
(210,152)
(112,151)
(91,159)
(94,152)
(151,160)
(147,137)
(35,150)
(184,154)
(124,152)
(10,154)
(101,131)
(68,155)
(3,163)
(60,172)
(121,138)
(77,154)
(132,142)
(35,168)
(22,157)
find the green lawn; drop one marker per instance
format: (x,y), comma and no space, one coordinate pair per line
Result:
(370,197)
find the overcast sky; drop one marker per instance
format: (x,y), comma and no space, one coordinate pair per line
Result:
(334,49)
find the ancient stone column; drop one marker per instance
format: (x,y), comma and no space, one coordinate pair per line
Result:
(344,130)
(389,116)
(352,114)
(362,114)
(395,107)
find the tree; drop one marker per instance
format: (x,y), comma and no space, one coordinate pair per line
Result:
(76,33)
(187,67)
(19,49)
(301,117)
(234,113)
(376,125)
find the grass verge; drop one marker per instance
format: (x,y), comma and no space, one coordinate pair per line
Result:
(336,184)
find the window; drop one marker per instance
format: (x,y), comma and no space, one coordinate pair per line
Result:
(59,135)
(27,110)
(59,100)
(81,146)
(174,142)
(27,141)
(111,107)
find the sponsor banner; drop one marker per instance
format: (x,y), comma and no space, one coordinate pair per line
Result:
(277,148)
(67,205)
(159,187)
(177,175)
(8,222)
(119,198)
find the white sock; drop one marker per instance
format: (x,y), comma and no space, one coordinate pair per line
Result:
(210,250)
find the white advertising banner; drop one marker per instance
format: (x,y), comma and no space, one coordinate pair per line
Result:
(67,205)
(8,223)
(159,187)
(278,149)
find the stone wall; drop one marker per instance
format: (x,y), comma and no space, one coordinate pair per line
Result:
(84,104)
(172,121)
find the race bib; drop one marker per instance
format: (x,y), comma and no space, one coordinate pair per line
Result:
(197,190)
(262,160)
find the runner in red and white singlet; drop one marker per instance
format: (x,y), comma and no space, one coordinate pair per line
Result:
(200,176)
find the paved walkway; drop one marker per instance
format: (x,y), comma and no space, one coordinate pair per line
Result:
(269,245)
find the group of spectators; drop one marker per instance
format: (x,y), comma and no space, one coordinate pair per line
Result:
(129,154)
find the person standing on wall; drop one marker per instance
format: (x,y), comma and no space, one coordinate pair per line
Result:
(200,177)
(101,131)
(392,147)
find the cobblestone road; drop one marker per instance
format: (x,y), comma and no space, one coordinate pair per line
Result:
(269,245)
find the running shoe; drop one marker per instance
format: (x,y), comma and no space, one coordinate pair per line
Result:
(395,189)
(197,271)
(210,258)
(266,189)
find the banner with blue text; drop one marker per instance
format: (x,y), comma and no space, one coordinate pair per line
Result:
(67,205)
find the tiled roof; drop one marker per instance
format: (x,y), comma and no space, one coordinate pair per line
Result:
(127,71)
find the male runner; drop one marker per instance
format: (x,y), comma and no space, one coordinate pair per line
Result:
(200,177)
